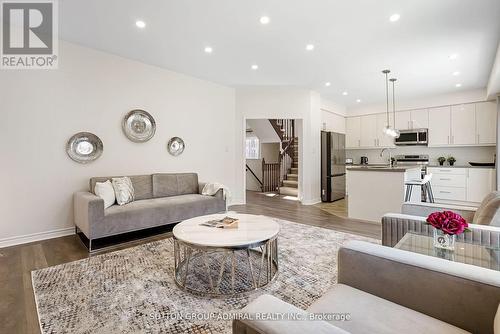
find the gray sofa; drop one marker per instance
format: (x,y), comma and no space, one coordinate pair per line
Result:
(386,290)
(160,199)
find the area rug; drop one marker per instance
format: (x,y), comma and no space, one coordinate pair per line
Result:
(133,291)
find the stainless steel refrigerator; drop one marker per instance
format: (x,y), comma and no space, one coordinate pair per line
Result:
(333,173)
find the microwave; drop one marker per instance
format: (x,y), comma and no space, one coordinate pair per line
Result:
(412,137)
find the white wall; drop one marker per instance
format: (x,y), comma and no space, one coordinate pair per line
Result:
(282,102)
(92,91)
(268,151)
(333,107)
(332,122)
(493,89)
(332,116)
(263,129)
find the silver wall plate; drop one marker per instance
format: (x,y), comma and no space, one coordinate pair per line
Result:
(84,147)
(139,126)
(175,146)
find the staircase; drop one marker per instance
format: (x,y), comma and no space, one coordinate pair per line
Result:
(289,157)
(290,183)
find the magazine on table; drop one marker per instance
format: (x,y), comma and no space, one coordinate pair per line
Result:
(226,222)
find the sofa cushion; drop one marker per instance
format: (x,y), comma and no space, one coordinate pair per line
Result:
(371,314)
(143,186)
(165,185)
(486,214)
(155,212)
(267,306)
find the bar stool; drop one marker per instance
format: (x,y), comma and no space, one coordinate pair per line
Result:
(425,185)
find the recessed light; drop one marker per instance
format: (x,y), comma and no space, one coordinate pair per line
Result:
(208,49)
(310,47)
(453,56)
(255,67)
(265,20)
(456,73)
(140,24)
(345,93)
(358,100)
(328,84)
(394,17)
(458,85)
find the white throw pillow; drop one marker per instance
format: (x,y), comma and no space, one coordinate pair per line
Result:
(124,190)
(105,191)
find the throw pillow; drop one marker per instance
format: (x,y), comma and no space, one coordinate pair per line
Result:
(124,190)
(105,191)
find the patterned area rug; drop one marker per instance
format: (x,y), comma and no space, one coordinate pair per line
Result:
(133,291)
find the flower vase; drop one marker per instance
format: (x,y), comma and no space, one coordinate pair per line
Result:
(443,240)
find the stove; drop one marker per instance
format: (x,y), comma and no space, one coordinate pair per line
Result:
(413,159)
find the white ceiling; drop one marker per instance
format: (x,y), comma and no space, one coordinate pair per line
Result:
(353,39)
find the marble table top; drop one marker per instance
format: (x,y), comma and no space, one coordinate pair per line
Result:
(251,229)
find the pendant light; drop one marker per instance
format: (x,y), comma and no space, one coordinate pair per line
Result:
(387,129)
(396,132)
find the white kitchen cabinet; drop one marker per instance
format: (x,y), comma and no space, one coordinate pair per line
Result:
(463,120)
(419,119)
(449,193)
(382,139)
(467,185)
(403,120)
(472,124)
(369,131)
(353,132)
(439,126)
(449,183)
(449,180)
(412,119)
(480,182)
(486,123)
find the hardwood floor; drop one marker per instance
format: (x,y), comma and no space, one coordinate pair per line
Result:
(337,208)
(316,215)
(17,306)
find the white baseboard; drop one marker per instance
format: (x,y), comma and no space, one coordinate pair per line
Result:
(311,202)
(23,239)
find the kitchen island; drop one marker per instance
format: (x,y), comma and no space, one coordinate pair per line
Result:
(376,190)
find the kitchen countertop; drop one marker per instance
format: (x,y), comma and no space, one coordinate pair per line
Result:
(381,168)
(461,166)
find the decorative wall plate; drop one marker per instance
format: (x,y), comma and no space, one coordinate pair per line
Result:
(175,146)
(139,126)
(84,147)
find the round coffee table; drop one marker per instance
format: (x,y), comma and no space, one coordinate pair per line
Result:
(225,262)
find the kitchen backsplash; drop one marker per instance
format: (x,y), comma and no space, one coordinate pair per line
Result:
(462,154)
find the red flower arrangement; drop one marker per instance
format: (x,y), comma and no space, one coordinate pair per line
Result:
(449,222)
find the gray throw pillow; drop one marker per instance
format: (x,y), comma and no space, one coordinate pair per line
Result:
(124,190)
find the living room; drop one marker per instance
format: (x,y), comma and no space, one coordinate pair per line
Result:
(129,205)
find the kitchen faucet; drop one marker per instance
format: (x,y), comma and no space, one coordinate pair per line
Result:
(390,155)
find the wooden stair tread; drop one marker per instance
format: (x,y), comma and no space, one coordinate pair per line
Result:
(290,183)
(289,191)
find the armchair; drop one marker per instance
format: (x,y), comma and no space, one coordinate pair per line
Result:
(484,222)
(387,290)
